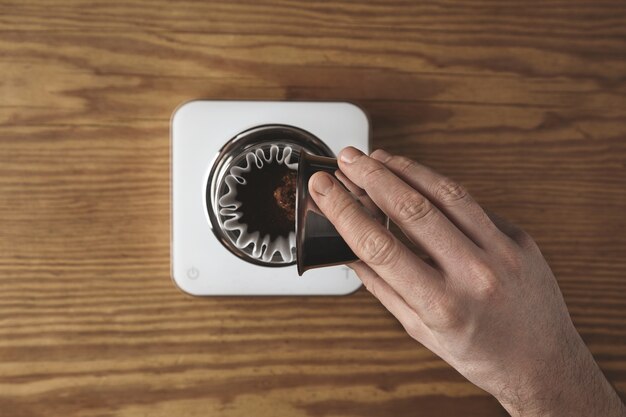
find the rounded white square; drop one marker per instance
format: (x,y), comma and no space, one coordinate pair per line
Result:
(201,265)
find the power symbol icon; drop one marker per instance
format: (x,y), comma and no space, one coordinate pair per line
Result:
(193,273)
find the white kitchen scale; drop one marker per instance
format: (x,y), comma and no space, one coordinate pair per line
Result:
(201,264)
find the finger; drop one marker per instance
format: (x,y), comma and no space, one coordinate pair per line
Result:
(451,198)
(375,245)
(361,195)
(418,218)
(393,302)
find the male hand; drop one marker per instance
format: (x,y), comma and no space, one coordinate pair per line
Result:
(487,302)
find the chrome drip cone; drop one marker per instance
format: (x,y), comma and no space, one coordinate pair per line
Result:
(259,140)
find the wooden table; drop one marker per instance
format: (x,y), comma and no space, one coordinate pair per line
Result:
(524,102)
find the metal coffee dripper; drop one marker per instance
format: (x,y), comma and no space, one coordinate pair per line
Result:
(231,154)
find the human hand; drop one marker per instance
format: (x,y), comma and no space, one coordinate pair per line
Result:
(487,303)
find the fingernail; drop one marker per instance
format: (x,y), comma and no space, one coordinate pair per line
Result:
(349,154)
(321,183)
(381,155)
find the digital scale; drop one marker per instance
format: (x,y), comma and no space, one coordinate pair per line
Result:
(202,263)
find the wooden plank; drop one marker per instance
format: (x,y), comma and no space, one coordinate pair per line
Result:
(525,103)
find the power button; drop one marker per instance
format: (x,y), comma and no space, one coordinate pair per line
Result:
(193,273)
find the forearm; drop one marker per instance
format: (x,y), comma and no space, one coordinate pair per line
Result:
(565,388)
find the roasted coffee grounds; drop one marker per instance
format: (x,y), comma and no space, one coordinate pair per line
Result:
(268,200)
(285,195)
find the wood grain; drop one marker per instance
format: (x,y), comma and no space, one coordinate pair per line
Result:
(524,102)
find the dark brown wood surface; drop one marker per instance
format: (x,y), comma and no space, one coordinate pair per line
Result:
(524,102)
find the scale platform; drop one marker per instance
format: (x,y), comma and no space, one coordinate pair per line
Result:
(200,264)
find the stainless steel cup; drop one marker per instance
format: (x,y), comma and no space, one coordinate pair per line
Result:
(318,243)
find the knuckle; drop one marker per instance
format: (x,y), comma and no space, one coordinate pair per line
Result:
(411,208)
(448,191)
(405,165)
(373,287)
(373,171)
(445,314)
(378,248)
(486,280)
(343,209)
(412,327)
(524,240)
(487,289)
